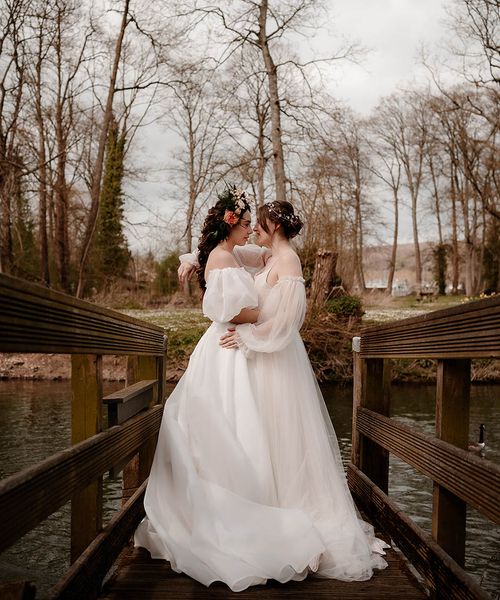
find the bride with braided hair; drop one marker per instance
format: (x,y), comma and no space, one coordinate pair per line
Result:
(247,482)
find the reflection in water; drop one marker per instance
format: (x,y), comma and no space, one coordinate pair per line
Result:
(35,423)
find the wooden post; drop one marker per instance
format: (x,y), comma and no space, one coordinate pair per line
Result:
(86,419)
(161,369)
(372,380)
(452,425)
(137,470)
(357,398)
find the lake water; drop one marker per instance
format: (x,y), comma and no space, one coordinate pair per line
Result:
(35,422)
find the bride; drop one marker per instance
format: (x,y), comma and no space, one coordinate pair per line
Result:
(247,482)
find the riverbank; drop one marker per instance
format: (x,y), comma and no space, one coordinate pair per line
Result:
(328,342)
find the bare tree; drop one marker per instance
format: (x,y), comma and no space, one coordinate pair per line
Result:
(99,161)
(477,23)
(199,118)
(387,167)
(406,134)
(265,25)
(12,89)
(470,142)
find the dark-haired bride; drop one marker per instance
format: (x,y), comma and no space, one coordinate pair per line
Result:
(247,482)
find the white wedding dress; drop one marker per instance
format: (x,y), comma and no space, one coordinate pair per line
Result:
(247,482)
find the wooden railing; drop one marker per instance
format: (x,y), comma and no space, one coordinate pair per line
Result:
(452,337)
(35,319)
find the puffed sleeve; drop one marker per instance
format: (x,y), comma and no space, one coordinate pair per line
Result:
(251,257)
(191,258)
(228,291)
(280,318)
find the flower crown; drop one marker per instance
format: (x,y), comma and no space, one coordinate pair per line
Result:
(275,209)
(235,203)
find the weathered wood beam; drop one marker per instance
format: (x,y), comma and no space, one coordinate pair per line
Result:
(86,421)
(475,480)
(467,331)
(128,401)
(36,319)
(84,578)
(449,511)
(142,368)
(28,497)
(444,577)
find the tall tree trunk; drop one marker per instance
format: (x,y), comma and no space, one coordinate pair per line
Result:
(358,265)
(42,194)
(394,250)
(99,163)
(272,75)
(6,246)
(61,188)
(414,223)
(42,166)
(469,246)
(454,230)
(192,191)
(262,157)
(436,200)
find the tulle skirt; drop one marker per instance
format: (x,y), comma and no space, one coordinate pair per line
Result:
(247,482)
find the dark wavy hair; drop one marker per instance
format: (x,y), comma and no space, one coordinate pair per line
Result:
(215,229)
(282,213)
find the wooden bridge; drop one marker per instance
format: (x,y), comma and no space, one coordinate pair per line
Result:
(104,565)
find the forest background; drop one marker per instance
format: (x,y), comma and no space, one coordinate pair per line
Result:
(242,97)
(78,81)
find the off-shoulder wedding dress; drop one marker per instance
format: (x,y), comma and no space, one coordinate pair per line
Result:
(247,482)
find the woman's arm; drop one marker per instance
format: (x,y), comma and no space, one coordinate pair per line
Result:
(246,315)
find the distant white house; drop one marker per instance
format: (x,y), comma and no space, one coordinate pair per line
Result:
(376,284)
(401,287)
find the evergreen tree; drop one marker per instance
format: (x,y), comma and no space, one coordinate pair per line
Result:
(440,266)
(26,259)
(111,253)
(26,256)
(491,258)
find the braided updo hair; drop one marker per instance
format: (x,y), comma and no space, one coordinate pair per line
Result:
(281,212)
(227,212)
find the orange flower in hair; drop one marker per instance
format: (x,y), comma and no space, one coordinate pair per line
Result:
(230,217)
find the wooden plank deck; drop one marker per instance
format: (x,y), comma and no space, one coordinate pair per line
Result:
(139,576)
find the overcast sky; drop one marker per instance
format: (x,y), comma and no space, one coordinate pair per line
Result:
(391,31)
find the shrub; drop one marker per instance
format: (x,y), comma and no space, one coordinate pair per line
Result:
(345,306)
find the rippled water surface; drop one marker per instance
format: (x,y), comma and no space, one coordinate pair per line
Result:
(413,405)
(35,423)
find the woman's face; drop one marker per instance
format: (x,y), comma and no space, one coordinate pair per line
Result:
(240,233)
(264,238)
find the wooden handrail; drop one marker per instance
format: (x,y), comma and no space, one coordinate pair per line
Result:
(471,330)
(453,336)
(445,577)
(475,480)
(28,497)
(36,319)
(84,578)
(128,401)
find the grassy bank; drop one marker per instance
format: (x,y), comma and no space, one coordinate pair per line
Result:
(327,339)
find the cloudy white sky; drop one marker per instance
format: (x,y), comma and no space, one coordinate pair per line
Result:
(392,32)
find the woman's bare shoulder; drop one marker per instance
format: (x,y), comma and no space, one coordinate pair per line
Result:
(289,264)
(220,259)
